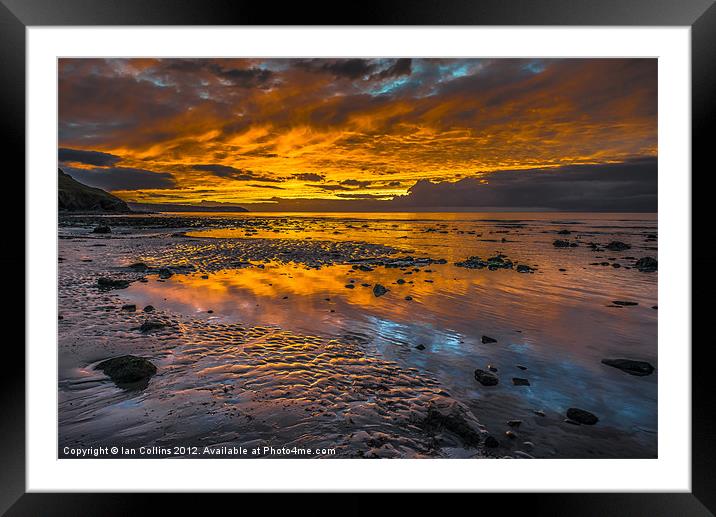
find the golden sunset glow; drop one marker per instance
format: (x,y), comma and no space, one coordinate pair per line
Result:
(262,132)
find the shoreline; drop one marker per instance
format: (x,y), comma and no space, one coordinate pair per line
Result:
(172,343)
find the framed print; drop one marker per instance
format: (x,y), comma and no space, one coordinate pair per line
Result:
(431,248)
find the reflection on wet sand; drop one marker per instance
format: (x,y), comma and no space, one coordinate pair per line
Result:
(306,285)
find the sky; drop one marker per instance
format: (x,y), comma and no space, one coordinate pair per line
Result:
(363,134)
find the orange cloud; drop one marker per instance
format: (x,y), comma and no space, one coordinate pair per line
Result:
(381,123)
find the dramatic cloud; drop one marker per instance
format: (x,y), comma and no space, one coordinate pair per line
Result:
(309,176)
(122,178)
(87,157)
(219,128)
(224,171)
(629,186)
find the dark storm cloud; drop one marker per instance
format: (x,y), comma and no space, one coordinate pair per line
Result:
(362,196)
(329,187)
(628,186)
(309,176)
(266,186)
(355,183)
(225,171)
(244,77)
(87,157)
(350,68)
(122,178)
(400,67)
(357,68)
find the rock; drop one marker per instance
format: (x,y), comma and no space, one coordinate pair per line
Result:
(560,243)
(488,339)
(511,435)
(647,264)
(111,283)
(519,381)
(420,347)
(486,378)
(450,415)
(615,265)
(379,290)
(102,228)
(127,369)
(349,286)
(491,368)
(472,263)
(138,266)
(521,367)
(165,273)
(400,281)
(624,304)
(149,308)
(523,268)
(151,325)
(539,412)
(205,277)
(617,246)
(638,368)
(129,307)
(563,232)
(409,298)
(581,416)
(491,442)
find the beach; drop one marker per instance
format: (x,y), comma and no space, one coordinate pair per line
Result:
(361,335)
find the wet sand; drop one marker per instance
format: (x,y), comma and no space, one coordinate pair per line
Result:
(274,334)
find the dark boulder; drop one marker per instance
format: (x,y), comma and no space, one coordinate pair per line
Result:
(127,369)
(150,325)
(560,243)
(149,308)
(129,307)
(102,228)
(112,283)
(581,416)
(638,368)
(449,415)
(617,246)
(491,442)
(488,339)
(165,273)
(519,381)
(379,290)
(647,264)
(486,378)
(473,262)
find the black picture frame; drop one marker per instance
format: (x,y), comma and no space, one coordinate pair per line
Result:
(699,15)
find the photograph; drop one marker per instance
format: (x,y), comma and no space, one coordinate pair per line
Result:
(357,257)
